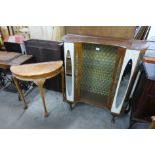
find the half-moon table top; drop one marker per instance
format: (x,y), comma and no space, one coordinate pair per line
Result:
(37,70)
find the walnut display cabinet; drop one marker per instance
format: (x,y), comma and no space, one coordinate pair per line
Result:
(100,71)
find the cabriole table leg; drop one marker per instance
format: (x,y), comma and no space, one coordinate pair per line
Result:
(40,84)
(20,92)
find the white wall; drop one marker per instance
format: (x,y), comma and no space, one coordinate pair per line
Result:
(152,32)
(41,32)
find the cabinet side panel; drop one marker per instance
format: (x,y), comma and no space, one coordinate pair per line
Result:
(69,48)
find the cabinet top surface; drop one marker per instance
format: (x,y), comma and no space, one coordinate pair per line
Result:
(129,44)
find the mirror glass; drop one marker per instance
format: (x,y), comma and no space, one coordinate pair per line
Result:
(124,83)
(69,73)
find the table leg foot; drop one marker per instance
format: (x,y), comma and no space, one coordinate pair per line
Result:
(46,114)
(25,107)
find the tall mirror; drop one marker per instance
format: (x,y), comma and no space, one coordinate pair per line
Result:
(68,72)
(124,83)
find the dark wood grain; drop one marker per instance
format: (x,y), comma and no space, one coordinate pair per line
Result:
(144,95)
(129,44)
(124,32)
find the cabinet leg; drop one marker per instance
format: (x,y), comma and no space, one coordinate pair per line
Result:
(71,106)
(21,96)
(113,118)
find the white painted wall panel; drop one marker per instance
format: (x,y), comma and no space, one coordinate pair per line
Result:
(41,32)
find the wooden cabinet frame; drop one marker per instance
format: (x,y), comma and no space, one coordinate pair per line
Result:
(126,50)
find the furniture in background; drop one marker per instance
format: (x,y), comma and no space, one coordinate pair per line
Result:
(44,51)
(22,30)
(38,73)
(1,38)
(142,124)
(142,32)
(15,43)
(12,58)
(121,32)
(101,71)
(143,98)
(7,59)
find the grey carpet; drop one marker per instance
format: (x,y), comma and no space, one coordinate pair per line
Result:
(83,116)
